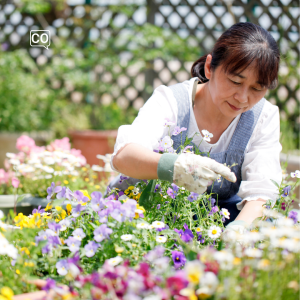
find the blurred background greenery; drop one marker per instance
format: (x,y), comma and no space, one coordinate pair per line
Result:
(106,57)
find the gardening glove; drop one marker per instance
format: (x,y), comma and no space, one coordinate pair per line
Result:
(234,232)
(194,172)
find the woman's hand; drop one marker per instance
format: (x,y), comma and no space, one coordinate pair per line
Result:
(194,172)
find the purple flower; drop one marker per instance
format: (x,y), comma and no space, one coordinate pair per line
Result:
(97,202)
(187,235)
(180,232)
(214,209)
(171,193)
(157,187)
(286,191)
(200,238)
(54,240)
(62,267)
(158,206)
(122,178)
(78,234)
(50,284)
(78,195)
(193,196)
(102,232)
(212,201)
(73,244)
(118,215)
(91,248)
(77,210)
(177,130)
(103,215)
(43,235)
(38,210)
(52,190)
(175,187)
(157,252)
(65,193)
(65,223)
(112,205)
(187,147)
(294,216)
(55,227)
(178,258)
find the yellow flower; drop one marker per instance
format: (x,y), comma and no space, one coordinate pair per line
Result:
(86,179)
(119,249)
(97,187)
(95,176)
(199,229)
(7,292)
(28,264)
(49,206)
(236,261)
(58,208)
(69,208)
(18,272)
(25,250)
(66,182)
(85,193)
(194,271)
(83,168)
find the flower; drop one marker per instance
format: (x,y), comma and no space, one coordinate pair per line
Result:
(91,248)
(168,122)
(193,196)
(225,213)
(157,188)
(15,182)
(214,209)
(142,225)
(161,239)
(64,224)
(77,210)
(6,293)
(171,193)
(194,271)
(286,191)
(207,135)
(295,174)
(214,232)
(126,237)
(52,190)
(166,142)
(177,130)
(73,244)
(208,285)
(79,234)
(25,144)
(114,261)
(102,232)
(158,224)
(62,267)
(178,258)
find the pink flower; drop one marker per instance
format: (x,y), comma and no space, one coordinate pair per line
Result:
(15,182)
(61,145)
(3,176)
(77,153)
(25,143)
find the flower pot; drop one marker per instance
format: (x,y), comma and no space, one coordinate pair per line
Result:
(93,142)
(7,203)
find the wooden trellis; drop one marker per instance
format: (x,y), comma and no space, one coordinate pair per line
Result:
(201,22)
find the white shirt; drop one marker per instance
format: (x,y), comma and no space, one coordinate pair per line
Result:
(261,161)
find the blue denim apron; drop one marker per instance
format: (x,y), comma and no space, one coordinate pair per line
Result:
(225,192)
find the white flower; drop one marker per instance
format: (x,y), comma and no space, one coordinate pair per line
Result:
(295,174)
(253,252)
(207,135)
(214,232)
(225,259)
(135,191)
(225,213)
(158,224)
(219,179)
(1,214)
(114,261)
(126,237)
(48,169)
(142,225)
(10,155)
(97,168)
(166,142)
(14,161)
(210,282)
(161,239)
(49,161)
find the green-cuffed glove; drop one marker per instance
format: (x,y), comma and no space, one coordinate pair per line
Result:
(194,172)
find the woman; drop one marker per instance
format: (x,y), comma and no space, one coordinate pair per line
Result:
(226,97)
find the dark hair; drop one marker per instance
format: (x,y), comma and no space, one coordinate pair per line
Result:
(237,48)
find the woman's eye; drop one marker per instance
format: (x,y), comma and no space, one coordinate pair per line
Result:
(237,83)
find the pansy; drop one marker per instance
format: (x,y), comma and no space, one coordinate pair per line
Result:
(206,135)
(286,191)
(64,224)
(214,232)
(91,248)
(77,210)
(102,232)
(193,196)
(168,122)
(73,244)
(171,193)
(166,142)
(52,190)
(178,258)
(79,234)
(295,174)
(62,267)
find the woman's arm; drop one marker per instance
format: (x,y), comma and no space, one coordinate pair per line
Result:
(136,161)
(251,211)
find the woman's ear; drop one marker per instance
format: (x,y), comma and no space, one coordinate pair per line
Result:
(207,69)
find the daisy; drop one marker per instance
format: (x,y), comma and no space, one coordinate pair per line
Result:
(214,232)
(207,135)
(225,213)
(142,225)
(161,239)
(127,237)
(114,261)
(158,224)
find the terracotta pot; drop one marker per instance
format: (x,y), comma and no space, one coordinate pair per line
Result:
(93,142)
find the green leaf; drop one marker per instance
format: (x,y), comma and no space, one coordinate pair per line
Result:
(275,182)
(147,195)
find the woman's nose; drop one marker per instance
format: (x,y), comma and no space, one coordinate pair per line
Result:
(241,95)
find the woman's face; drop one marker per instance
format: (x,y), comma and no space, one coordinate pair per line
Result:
(233,94)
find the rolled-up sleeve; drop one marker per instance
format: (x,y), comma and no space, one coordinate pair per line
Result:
(148,127)
(262,160)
